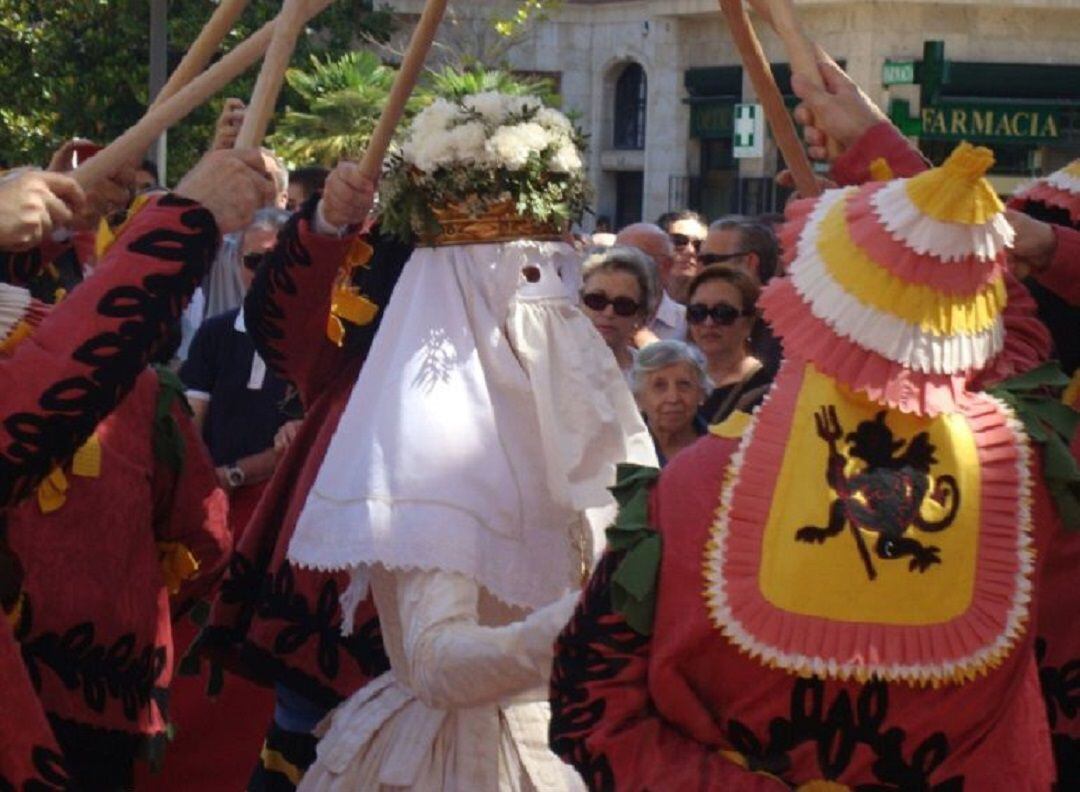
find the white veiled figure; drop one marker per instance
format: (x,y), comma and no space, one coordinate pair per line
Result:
(467,485)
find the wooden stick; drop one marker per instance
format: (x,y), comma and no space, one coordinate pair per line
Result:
(264,96)
(802,52)
(761,77)
(130,145)
(409,73)
(203,48)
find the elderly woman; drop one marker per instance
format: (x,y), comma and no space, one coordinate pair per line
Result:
(670,385)
(618,294)
(720,314)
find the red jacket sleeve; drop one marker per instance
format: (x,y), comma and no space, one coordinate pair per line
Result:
(288,305)
(603,721)
(60,383)
(191,511)
(1062,277)
(882,141)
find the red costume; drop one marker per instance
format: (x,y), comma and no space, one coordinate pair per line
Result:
(843,656)
(59,386)
(145,501)
(272,622)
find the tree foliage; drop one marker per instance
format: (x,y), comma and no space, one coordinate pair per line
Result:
(81,67)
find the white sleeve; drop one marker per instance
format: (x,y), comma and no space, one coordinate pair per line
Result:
(453,662)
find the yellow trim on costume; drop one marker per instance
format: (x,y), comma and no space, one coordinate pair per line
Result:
(732,427)
(821,785)
(276,763)
(881,171)
(871,284)
(177,564)
(347,304)
(87,460)
(52,491)
(18,334)
(105,236)
(1071,395)
(957,192)
(1073,168)
(14,616)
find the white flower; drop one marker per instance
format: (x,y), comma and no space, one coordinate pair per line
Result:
(566,159)
(468,142)
(512,145)
(553,119)
(490,104)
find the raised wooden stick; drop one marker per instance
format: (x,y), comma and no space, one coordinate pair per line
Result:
(761,77)
(408,74)
(204,47)
(802,52)
(264,96)
(130,145)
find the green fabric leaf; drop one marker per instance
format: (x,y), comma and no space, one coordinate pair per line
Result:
(636,574)
(190,664)
(168,441)
(1067,500)
(1048,375)
(633,585)
(200,613)
(1062,418)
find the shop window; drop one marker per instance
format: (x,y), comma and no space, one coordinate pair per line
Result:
(631,91)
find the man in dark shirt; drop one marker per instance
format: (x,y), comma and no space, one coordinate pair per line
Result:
(237,401)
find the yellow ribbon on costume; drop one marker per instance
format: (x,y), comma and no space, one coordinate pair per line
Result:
(821,785)
(14,616)
(1071,396)
(19,333)
(732,427)
(52,492)
(177,564)
(106,235)
(881,171)
(347,304)
(275,762)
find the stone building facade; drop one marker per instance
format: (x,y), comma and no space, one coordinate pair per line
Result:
(656,82)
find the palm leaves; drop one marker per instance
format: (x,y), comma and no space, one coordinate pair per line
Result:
(342,99)
(455,84)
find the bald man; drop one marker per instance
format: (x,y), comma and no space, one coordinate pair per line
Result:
(669,319)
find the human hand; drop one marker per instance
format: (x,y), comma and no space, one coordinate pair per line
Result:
(348,196)
(33,203)
(285,436)
(1034,246)
(840,111)
(228,124)
(233,184)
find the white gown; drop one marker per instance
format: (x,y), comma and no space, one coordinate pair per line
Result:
(486,422)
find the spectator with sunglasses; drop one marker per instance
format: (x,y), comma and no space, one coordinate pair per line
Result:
(750,244)
(687,231)
(236,400)
(721,314)
(617,294)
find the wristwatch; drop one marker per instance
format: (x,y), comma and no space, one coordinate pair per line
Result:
(235,476)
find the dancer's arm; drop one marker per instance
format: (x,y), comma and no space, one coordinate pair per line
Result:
(603,720)
(84,358)
(455,663)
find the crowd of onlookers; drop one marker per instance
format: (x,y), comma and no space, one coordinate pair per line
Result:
(676,301)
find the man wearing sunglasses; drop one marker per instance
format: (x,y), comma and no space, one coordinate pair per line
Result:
(742,242)
(668,318)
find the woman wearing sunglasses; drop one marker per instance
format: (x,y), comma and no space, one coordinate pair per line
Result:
(721,312)
(618,294)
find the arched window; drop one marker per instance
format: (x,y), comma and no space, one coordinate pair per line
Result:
(631,93)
